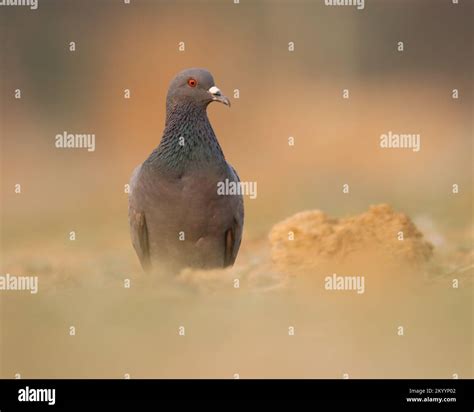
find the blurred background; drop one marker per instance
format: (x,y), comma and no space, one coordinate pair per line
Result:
(135,46)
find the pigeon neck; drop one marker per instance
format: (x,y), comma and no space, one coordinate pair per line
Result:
(188,140)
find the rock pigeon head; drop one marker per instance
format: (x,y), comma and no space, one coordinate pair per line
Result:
(195,87)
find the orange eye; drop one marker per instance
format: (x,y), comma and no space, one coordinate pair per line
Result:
(192,82)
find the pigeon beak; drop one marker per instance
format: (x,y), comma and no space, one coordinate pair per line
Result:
(217,96)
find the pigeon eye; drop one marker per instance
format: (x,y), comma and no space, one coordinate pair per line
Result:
(192,82)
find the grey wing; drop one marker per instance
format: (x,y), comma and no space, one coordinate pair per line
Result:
(233,234)
(138,226)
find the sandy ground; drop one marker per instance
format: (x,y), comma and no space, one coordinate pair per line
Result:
(244,330)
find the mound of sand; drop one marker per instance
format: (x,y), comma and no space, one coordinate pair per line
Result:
(309,240)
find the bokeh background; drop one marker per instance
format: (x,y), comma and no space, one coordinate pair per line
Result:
(135,46)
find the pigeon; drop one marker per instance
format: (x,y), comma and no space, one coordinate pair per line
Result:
(177,216)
